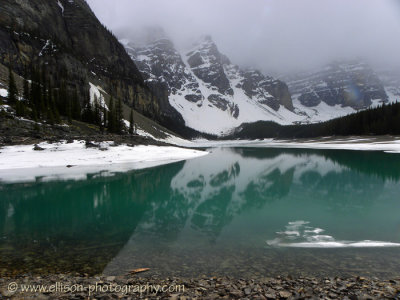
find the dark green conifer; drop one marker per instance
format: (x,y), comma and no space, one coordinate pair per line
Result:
(20,109)
(12,88)
(69,111)
(76,106)
(50,116)
(87,114)
(131,124)
(119,118)
(97,111)
(111,117)
(57,117)
(26,93)
(34,116)
(104,117)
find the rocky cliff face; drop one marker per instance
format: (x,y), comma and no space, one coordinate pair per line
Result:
(65,36)
(258,86)
(349,84)
(207,64)
(212,94)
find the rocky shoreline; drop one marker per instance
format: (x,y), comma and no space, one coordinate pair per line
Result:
(132,140)
(14,131)
(139,287)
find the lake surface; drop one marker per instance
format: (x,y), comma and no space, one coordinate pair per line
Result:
(241,212)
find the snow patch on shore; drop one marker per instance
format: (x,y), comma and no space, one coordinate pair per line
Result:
(22,163)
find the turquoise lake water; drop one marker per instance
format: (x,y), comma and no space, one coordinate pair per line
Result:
(242,212)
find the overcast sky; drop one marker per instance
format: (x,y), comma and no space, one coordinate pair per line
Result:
(273,35)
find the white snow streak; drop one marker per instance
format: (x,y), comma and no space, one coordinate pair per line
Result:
(96,92)
(61,6)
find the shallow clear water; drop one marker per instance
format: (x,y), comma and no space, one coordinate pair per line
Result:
(239,211)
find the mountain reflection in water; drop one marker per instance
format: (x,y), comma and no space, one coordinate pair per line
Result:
(210,215)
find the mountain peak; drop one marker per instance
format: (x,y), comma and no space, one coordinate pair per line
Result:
(211,93)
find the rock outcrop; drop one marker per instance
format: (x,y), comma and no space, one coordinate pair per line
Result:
(349,84)
(65,37)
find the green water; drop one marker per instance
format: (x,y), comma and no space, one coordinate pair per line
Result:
(238,211)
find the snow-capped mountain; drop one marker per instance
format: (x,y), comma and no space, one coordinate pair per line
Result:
(212,94)
(336,90)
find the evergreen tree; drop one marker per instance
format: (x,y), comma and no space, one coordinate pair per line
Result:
(384,119)
(45,94)
(20,109)
(97,112)
(69,110)
(104,116)
(26,93)
(63,99)
(36,93)
(42,108)
(87,114)
(57,118)
(119,118)
(111,117)
(50,116)
(76,106)
(131,124)
(34,116)
(55,96)
(34,90)
(12,87)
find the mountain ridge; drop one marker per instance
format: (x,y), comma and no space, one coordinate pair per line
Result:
(193,91)
(206,88)
(348,83)
(215,96)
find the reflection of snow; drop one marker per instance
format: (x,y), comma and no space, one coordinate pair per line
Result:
(224,168)
(298,235)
